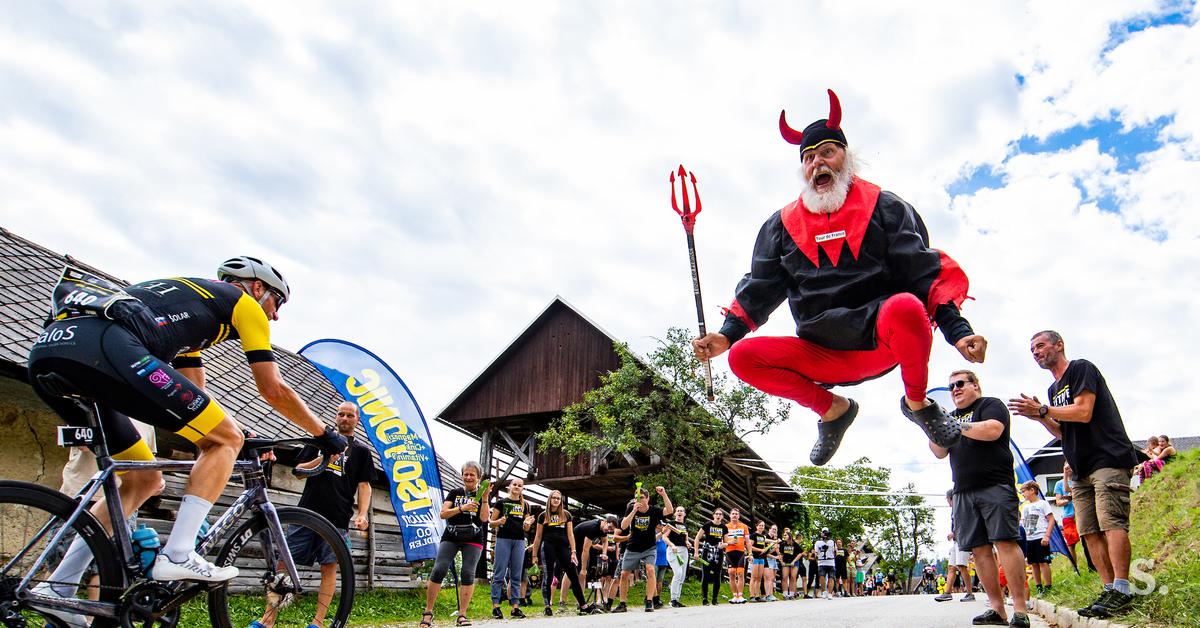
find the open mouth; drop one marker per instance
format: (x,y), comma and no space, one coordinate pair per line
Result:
(823,180)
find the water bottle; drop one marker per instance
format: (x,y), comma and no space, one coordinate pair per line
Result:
(145,543)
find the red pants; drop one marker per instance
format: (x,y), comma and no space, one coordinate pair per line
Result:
(789,367)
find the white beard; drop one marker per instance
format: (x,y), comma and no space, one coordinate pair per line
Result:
(832,200)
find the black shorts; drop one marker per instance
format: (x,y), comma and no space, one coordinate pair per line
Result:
(986,515)
(840,568)
(735,560)
(826,571)
(106,362)
(1036,553)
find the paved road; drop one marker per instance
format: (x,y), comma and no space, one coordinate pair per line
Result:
(906,611)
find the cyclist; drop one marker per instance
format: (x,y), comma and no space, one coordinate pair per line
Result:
(136,351)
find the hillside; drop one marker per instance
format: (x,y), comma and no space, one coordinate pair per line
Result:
(1165,536)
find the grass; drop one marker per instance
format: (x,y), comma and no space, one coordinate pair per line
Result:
(1163,531)
(389,608)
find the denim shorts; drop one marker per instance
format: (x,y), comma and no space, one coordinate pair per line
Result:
(308,548)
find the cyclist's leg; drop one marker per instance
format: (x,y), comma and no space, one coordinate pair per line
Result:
(219,447)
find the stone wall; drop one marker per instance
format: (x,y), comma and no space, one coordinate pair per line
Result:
(28,439)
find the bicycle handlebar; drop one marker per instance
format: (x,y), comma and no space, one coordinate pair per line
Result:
(255,445)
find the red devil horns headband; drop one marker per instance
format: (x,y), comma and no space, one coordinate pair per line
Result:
(833,123)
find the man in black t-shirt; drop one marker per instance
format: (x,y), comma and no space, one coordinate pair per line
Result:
(1083,413)
(641,523)
(588,537)
(984,500)
(332,494)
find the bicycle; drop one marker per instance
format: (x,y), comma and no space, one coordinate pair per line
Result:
(255,529)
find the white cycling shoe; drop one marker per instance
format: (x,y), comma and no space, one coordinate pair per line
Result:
(194,568)
(73,620)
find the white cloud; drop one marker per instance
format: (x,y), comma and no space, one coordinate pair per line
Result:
(430,176)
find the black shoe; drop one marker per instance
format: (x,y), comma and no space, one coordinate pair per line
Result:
(714,602)
(829,435)
(590,609)
(1115,603)
(497,613)
(676,604)
(704,602)
(989,618)
(528,601)
(547,612)
(517,614)
(649,606)
(657,603)
(621,608)
(1087,611)
(606,605)
(939,427)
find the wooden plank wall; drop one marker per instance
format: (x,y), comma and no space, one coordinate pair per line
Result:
(391,570)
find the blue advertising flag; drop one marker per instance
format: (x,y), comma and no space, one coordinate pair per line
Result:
(1058,544)
(397,429)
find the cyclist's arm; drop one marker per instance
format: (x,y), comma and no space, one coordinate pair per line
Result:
(283,398)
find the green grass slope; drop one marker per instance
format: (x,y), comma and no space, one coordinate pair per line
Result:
(1165,534)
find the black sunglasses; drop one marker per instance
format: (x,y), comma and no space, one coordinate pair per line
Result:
(959,383)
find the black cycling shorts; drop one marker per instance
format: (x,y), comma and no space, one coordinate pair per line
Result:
(107,363)
(735,560)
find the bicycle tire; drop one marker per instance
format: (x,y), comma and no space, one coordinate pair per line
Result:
(19,503)
(247,543)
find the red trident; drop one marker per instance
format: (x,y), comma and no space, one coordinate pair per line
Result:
(686,215)
(689,223)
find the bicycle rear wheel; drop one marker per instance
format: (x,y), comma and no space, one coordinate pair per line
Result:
(30,515)
(263,588)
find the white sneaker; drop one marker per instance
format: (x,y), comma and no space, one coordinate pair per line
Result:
(73,620)
(195,568)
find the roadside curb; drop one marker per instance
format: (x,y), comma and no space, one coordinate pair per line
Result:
(1064,617)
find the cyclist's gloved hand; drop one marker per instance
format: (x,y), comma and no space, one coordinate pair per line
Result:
(331,442)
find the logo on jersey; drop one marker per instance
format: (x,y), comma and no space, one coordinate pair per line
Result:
(196,403)
(159,378)
(1062,397)
(140,362)
(146,369)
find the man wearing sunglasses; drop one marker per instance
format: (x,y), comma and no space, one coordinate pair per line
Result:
(985,505)
(136,351)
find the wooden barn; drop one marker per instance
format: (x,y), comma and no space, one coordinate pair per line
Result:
(549,366)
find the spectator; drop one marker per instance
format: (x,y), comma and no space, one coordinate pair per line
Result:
(1062,498)
(511,519)
(661,564)
(331,494)
(771,570)
(1083,413)
(956,563)
(642,522)
(709,545)
(675,536)
(826,551)
(985,512)
(736,540)
(1159,451)
(589,543)
(1038,521)
(464,534)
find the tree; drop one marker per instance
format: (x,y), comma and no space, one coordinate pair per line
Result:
(858,500)
(658,408)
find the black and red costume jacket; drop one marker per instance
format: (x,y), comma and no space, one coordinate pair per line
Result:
(836,270)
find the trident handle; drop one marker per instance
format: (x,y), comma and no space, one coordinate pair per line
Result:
(688,217)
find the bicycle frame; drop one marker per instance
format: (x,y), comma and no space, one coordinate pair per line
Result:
(253,497)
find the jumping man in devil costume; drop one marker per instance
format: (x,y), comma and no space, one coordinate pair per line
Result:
(855,265)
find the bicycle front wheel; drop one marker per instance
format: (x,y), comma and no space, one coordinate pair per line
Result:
(263,590)
(30,516)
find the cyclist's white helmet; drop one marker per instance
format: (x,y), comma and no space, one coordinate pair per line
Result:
(246,267)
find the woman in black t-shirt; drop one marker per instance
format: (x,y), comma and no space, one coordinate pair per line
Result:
(464,533)
(789,554)
(771,570)
(510,520)
(556,537)
(675,537)
(709,545)
(758,560)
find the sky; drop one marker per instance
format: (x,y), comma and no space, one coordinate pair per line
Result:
(429,176)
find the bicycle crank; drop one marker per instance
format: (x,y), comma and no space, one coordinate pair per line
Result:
(141,606)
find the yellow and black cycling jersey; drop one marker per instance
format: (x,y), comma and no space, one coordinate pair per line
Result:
(184,315)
